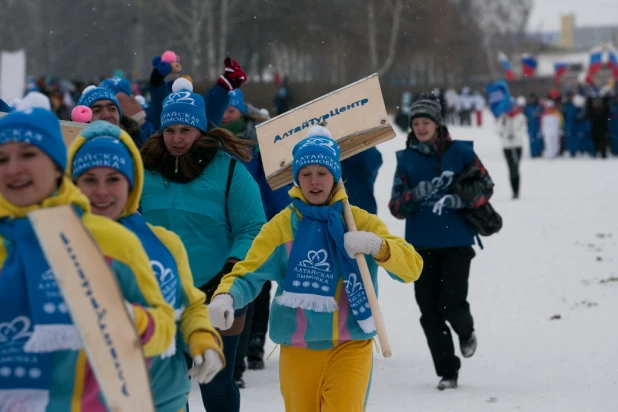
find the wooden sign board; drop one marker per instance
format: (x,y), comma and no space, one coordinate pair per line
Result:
(70,130)
(96,304)
(355,115)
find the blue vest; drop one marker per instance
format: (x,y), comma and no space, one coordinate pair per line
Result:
(425,229)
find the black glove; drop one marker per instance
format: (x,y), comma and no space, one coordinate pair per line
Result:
(210,287)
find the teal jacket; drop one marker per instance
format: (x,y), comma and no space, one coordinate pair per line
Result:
(211,228)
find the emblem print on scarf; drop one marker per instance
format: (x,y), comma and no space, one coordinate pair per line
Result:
(316,259)
(163,265)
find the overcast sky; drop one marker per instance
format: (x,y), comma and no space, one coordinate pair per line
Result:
(545,14)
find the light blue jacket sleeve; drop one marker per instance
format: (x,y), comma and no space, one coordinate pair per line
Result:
(246,288)
(245,212)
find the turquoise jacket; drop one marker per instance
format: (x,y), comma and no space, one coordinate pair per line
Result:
(211,228)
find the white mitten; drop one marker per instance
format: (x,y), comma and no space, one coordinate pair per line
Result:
(206,367)
(221,311)
(366,243)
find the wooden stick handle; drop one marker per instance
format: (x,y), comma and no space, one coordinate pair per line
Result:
(369,289)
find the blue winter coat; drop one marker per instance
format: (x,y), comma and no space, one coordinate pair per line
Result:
(359,174)
(426,229)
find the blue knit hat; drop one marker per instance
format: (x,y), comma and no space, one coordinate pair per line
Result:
(103,151)
(237,100)
(38,127)
(318,148)
(117,85)
(92,94)
(184,107)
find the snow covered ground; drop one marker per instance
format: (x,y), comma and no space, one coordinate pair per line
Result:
(544,295)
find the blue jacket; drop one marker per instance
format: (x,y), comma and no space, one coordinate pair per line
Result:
(359,174)
(424,228)
(274,201)
(570,112)
(211,229)
(217,99)
(533,113)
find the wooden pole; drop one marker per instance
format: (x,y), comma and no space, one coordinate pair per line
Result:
(368,284)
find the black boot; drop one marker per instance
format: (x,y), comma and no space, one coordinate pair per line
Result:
(468,346)
(448,382)
(256,364)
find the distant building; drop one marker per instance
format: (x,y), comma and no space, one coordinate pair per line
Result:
(571,45)
(584,38)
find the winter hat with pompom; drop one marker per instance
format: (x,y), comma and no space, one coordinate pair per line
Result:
(33,99)
(81,114)
(184,107)
(103,151)
(93,94)
(317,148)
(38,127)
(117,85)
(237,100)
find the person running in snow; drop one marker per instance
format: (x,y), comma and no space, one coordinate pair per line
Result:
(45,344)
(107,167)
(551,127)
(512,131)
(423,195)
(238,121)
(320,315)
(192,188)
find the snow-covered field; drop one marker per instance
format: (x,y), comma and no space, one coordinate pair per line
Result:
(544,295)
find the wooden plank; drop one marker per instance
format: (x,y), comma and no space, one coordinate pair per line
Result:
(355,115)
(96,304)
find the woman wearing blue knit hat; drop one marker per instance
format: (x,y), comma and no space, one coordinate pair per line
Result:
(320,315)
(192,187)
(107,168)
(43,366)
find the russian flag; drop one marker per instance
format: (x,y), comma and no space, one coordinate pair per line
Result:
(528,64)
(506,65)
(559,70)
(612,61)
(596,62)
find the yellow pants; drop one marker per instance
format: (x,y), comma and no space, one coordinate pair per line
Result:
(330,380)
